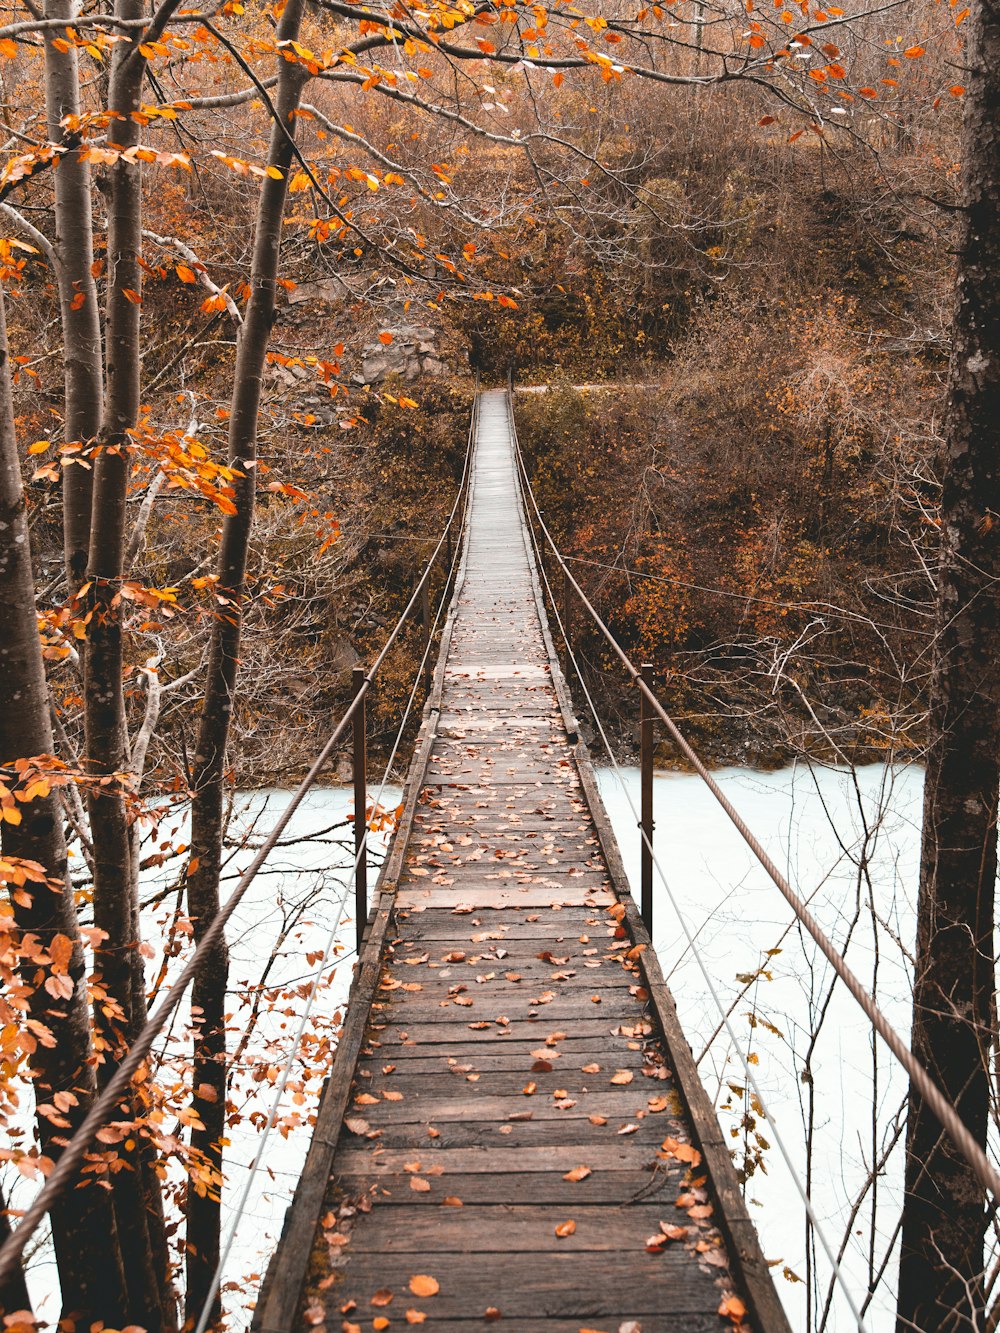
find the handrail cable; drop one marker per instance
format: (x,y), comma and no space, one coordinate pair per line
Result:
(206,1310)
(117,1087)
(920,1079)
(820,608)
(696,953)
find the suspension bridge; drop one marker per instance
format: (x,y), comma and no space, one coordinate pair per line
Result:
(513,1110)
(513,1129)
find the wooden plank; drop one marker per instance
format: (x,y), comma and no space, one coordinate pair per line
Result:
(527,1285)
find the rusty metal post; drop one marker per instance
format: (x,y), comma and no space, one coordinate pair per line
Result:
(425,620)
(647,744)
(360,758)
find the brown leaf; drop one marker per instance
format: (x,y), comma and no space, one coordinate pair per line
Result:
(491,1314)
(565,1229)
(592,1069)
(382,1297)
(419,1185)
(452,1201)
(578,1173)
(356,1125)
(732,1308)
(622,1076)
(415,1316)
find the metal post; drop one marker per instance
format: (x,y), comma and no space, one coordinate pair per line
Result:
(360,808)
(647,744)
(425,618)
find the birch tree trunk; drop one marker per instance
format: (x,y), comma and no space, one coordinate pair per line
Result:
(209,989)
(944,1214)
(83,1221)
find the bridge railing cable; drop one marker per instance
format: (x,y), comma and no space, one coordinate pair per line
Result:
(361,821)
(105,1105)
(920,1080)
(690,937)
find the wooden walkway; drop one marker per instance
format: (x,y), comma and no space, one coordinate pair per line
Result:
(513,1133)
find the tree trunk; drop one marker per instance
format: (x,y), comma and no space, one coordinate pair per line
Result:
(209,989)
(74,245)
(83,1224)
(944,1216)
(138,1199)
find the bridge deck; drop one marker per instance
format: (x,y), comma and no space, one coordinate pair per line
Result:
(523,1110)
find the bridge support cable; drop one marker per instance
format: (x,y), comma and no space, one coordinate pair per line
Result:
(649,857)
(105,1107)
(362,828)
(943,1110)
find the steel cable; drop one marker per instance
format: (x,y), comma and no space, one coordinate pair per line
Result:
(696,954)
(104,1106)
(920,1079)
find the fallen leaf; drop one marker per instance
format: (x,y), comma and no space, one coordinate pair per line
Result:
(356,1125)
(673,1233)
(732,1308)
(592,1069)
(382,1297)
(418,1184)
(629,1128)
(415,1316)
(622,1076)
(598,1119)
(578,1173)
(379,1323)
(492,1313)
(565,1229)
(683,1152)
(422,1285)
(452,1201)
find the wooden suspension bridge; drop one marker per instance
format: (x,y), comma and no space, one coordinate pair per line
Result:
(514,1131)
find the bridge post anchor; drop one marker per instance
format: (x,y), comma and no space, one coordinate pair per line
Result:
(360,768)
(647,746)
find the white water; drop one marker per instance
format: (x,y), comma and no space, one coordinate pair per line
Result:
(812,822)
(819,825)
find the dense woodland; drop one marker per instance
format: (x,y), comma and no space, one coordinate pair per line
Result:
(741,261)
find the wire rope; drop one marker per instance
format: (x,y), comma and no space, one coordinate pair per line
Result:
(104,1105)
(920,1079)
(696,954)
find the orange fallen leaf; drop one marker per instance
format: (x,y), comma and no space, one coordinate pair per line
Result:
(578,1173)
(419,1185)
(422,1285)
(452,1201)
(565,1229)
(492,1313)
(683,1152)
(732,1308)
(622,1076)
(415,1316)
(382,1297)
(592,1069)
(379,1323)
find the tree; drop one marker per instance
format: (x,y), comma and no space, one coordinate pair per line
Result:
(941,1279)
